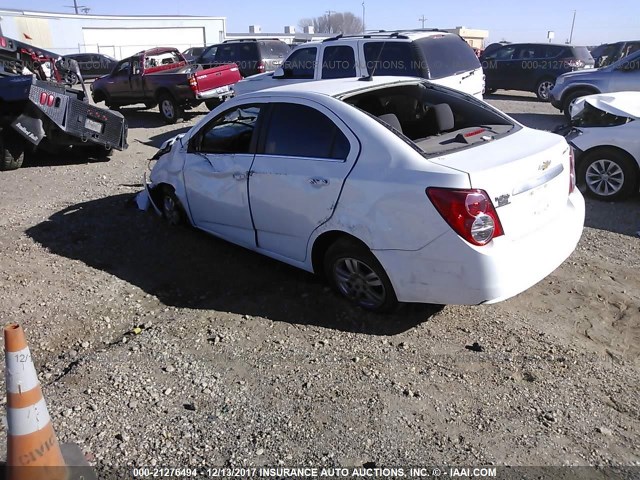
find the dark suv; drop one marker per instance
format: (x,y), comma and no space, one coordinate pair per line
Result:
(532,67)
(92,65)
(252,56)
(609,53)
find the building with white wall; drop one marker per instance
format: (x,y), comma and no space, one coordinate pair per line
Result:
(118,36)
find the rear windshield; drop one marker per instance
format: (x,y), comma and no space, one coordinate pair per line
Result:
(274,49)
(446,55)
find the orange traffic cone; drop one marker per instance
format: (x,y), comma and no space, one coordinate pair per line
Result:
(33,451)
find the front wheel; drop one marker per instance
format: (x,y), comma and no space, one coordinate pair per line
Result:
(171,207)
(543,89)
(569,99)
(356,273)
(169,108)
(608,174)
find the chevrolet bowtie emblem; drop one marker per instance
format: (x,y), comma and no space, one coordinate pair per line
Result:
(544,165)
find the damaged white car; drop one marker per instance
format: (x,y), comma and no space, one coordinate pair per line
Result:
(606,139)
(395,189)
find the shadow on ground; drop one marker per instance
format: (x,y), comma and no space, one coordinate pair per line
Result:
(514,98)
(621,217)
(186,268)
(139,117)
(157,140)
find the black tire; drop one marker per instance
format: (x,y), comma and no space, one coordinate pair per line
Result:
(171,207)
(211,104)
(355,273)
(608,174)
(170,110)
(100,153)
(489,91)
(71,79)
(11,151)
(99,96)
(543,88)
(570,97)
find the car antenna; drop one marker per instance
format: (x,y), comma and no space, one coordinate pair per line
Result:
(369,77)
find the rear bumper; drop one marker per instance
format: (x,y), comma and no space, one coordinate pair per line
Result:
(219,93)
(451,271)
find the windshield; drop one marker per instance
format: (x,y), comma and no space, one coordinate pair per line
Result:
(209,54)
(274,49)
(447,55)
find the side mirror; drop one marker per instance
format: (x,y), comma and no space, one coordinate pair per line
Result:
(279,73)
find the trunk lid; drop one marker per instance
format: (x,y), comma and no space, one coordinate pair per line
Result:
(525,174)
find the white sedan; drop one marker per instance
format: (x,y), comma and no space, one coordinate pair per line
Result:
(606,138)
(394,188)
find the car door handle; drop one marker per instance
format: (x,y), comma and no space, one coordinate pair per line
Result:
(239,176)
(318,182)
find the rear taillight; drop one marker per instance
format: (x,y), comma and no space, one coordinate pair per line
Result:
(3,42)
(261,67)
(469,212)
(572,171)
(574,63)
(43,98)
(193,83)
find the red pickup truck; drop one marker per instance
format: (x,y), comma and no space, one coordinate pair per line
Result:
(161,76)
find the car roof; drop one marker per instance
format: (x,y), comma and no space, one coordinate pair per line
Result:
(409,35)
(337,87)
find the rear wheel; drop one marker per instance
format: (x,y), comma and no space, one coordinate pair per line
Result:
(11,150)
(356,273)
(608,174)
(71,79)
(169,108)
(543,89)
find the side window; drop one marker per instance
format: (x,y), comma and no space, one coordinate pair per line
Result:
(231,132)
(390,58)
(225,53)
(209,55)
(527,52)
(505,53)
(301,63)
(123,68)
(339,62)
(301,131)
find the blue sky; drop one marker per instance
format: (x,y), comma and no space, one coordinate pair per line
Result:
(516,20)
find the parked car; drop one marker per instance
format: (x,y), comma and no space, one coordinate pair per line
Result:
(609,53)
(624,75)
(92,65)
(532,67)
(162,76)
(190,54)
(251,55)
(606,141)
(395,188)
(442,57)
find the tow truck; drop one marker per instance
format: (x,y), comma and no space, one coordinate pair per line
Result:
(39,113)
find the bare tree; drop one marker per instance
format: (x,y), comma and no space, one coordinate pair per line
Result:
(334,22)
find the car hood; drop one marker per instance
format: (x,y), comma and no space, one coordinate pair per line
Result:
(587,73)
(623,104)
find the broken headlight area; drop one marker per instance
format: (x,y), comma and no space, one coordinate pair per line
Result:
(591,116)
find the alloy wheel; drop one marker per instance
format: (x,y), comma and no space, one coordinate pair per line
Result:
(359,282)
(604,177)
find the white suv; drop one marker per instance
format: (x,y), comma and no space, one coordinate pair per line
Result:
(441,57)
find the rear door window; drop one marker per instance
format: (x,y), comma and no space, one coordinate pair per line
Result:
(391,58)
(301,131)
(447,55)
(505,53)
(339,62)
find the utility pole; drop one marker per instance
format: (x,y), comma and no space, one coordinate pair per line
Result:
(422,19)
(363,16)
(572,24)
(75,6)
(329,12)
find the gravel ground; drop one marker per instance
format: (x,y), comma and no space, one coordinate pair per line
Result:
(168,347)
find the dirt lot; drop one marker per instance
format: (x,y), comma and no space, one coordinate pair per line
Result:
(241,360)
